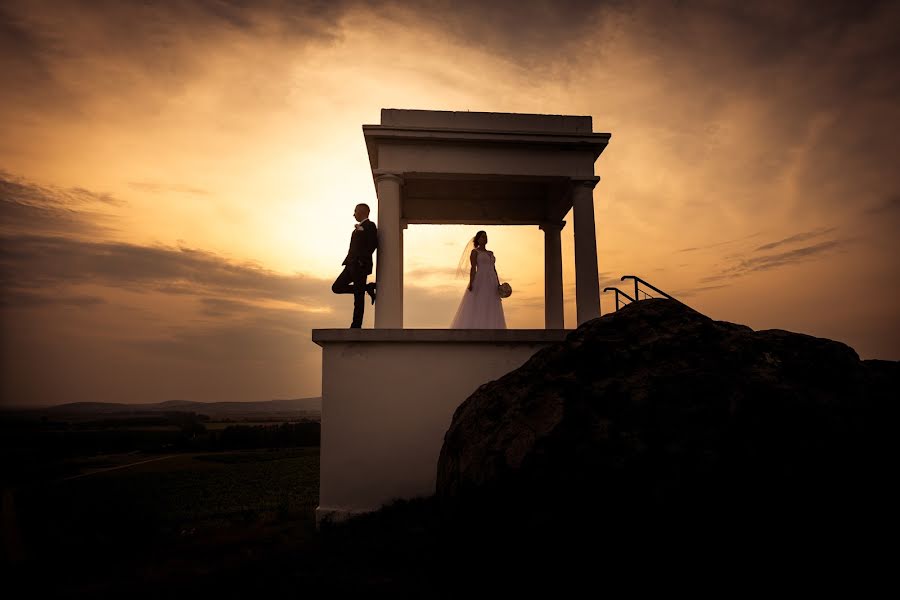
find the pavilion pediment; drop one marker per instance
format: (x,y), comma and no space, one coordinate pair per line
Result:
(441,198)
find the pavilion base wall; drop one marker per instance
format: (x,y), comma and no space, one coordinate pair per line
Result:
(388,397)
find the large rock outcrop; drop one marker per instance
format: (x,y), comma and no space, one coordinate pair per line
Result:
(657,411)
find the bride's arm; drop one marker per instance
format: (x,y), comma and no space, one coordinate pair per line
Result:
(473,258)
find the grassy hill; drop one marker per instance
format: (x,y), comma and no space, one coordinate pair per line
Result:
(265,408)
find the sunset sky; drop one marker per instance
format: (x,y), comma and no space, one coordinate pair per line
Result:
(177,179)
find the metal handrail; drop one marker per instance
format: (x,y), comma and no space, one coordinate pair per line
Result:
(649,285)
(618,291)
(638,291)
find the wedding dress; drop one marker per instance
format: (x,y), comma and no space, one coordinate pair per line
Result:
(481,308)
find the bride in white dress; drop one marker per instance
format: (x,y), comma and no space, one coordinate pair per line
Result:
(480,307)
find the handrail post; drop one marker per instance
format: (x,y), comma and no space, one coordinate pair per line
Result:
(637,292)
(618,293)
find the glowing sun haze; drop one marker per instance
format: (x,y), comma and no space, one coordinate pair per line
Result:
(177,180)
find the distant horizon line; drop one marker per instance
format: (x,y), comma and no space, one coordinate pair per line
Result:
(82,402)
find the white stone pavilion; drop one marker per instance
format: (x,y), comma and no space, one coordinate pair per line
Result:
(389,393)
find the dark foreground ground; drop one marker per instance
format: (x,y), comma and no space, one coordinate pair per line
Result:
(241,524)
(167,522)
(207,524)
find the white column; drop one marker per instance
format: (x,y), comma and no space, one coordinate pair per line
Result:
(553,283)
(587,283)
(389,305)
(403,227)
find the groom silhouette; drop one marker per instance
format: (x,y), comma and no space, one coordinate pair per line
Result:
(358,264)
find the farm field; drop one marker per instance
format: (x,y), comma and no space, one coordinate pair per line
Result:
(122,518)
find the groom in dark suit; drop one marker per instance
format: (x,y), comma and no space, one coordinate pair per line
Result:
(358,264)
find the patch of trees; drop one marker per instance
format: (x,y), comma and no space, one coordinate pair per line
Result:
(184,431)
(189,422)
(285,435)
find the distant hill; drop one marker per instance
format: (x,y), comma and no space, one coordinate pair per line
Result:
(263,408)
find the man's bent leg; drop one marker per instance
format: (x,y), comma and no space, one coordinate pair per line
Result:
(359,300)
(348,282)
(343,283)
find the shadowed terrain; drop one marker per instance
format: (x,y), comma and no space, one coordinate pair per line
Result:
(652,440)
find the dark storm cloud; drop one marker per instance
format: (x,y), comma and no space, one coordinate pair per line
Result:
(889,207)
(521,30)
(162,39)
(34,30)
(230,348)
(28,207)
(34,267)
(48,241)
(528,32)
(25,57)
(716,42)
(798,237)
(59,57)
(223,307)
(42,261)
(762,263)
(17,216)
(22,191)
(772,261)
(43,44)
(20,298)
(763,31)
(717,244)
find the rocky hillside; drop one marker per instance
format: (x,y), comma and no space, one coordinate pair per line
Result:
(658,416)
